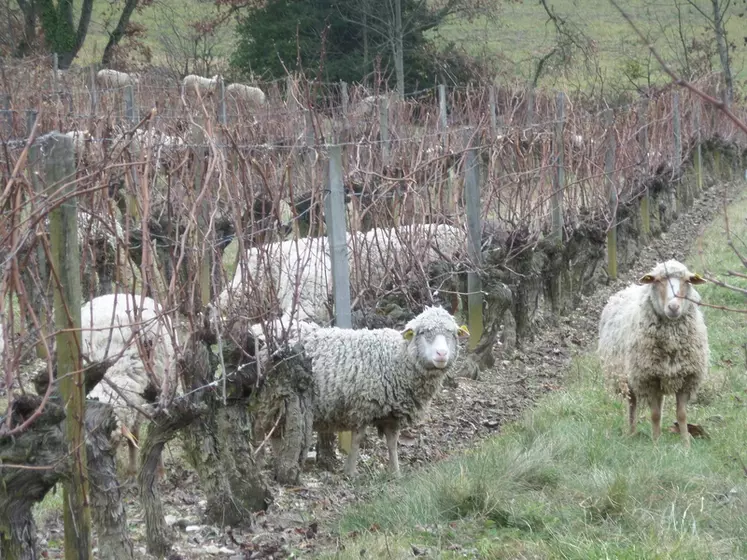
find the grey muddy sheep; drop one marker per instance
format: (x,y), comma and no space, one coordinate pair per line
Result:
(380,377)
(653,342)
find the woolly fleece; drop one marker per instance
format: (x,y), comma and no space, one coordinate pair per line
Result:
(644,350)
(376,377)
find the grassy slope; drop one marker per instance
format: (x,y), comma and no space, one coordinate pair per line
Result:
(163,18)
(520,35)
(523,33)
(565,483)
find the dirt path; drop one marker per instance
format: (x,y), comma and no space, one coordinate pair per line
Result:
(459,417)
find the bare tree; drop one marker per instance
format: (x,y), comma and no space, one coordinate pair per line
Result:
(716,21)
(723,51)
(393,21)
(116,35)
(187,48)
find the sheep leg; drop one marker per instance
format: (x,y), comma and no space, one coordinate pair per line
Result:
(132,450)
(352,458)
(632,410)
(656,402)
(392,437)
(682,399)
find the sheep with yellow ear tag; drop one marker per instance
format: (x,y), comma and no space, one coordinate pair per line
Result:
(378,377)
(653,342)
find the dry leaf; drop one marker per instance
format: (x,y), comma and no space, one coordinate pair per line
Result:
(694,430)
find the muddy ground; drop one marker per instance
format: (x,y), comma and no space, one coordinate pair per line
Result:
(297,522)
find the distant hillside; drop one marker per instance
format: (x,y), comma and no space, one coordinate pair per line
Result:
(523,33)
(519,36)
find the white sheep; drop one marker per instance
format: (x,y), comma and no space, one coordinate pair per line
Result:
(79,137)
(109,79)
(204,85)
(297,273)
(365,107)
(253,96)
(378,377)
(294,273)
(375,254)
(133,331)
(653,342)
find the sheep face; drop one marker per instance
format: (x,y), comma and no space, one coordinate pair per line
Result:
(432,338)
(671,291)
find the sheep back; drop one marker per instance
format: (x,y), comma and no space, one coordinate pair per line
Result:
(103,317)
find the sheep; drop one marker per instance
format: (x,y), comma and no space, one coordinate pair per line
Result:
(79,137)
(204,85)
(132,331)
(281,271)
(378,377)
(653,342)
(253,96)
(108,78)
(365,107)
(300,271)
(375,253)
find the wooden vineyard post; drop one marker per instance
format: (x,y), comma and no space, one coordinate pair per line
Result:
(609,181)
(59,166)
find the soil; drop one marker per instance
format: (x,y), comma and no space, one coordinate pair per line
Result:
(459,417)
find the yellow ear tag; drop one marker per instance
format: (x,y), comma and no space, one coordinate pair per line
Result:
(647,279)
(408,334)
(463,330)
(697,279)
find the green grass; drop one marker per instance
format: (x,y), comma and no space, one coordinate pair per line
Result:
(523,33)
(518,36)
(564,482)
(167,31)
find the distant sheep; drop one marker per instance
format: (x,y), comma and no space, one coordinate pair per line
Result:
(653,342)
(365,107)
(79,137)
(110,79)
(204,85)
(380,377)
(253,96)
(112,328)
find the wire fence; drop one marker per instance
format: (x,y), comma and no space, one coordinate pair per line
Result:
(207,199)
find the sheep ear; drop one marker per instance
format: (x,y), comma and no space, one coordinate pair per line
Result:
(697,279)
(463,332)
(408,334)
(647,279)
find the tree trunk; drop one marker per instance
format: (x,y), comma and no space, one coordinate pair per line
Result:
(162,429)
(399,64)
(284,413)
(218,448)
(22,488)
(44,445)
(365,39)
(723,51)
(107,508)
(59,31)
(116,36)
(28,8)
